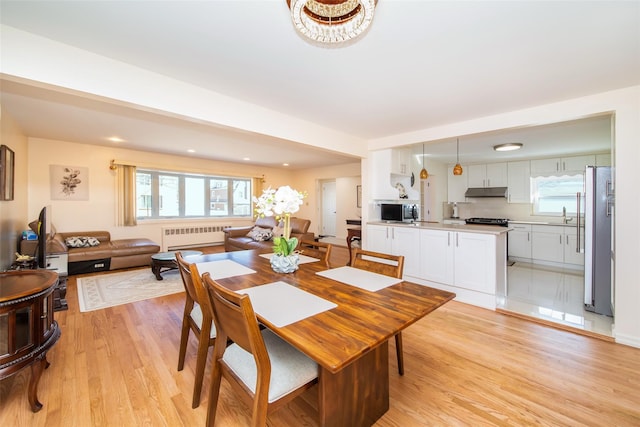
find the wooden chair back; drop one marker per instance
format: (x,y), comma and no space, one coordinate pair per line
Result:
(236,321)
(197,319)
(389,265)
(378,262)
(319,250)
(187,278)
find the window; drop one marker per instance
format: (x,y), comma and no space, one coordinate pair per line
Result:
(552,193)
(182,195)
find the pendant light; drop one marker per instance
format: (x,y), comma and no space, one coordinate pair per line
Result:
(457,169)
(423,173)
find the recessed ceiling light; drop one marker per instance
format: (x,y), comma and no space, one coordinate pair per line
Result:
(246,159)
(115,139)
(191,150)
(285,164)
(510,146)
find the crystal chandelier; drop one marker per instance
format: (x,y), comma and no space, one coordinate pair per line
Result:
(331,22)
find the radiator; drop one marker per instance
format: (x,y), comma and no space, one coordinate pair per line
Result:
(174,238)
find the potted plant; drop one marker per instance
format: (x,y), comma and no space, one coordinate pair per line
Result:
(281,203)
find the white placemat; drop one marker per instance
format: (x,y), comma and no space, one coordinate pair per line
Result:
(303,258)
(359,278)
(283,304)
(223,268)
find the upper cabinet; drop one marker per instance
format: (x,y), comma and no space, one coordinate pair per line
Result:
(518,177)
(386,179)
(562,165)
(489,175)
(401,161)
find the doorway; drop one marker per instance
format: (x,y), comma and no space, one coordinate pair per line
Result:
(328,208)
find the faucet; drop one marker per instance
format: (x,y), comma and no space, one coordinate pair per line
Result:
(565,220)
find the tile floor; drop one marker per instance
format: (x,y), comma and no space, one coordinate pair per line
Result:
(553,295)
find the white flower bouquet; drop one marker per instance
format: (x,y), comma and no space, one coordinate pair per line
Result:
(280,203)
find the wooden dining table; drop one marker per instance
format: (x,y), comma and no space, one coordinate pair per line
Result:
(350,341)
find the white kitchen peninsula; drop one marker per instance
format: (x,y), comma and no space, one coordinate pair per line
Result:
(470,260)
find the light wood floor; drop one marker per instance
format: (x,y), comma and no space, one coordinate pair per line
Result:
(464,366)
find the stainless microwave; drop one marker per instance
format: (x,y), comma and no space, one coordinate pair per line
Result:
(397,212)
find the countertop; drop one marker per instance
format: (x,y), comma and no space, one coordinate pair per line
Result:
(557,224)
(467,228)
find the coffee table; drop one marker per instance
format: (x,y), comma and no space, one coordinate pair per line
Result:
(167,260)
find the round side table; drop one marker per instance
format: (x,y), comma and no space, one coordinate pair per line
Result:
(167,261)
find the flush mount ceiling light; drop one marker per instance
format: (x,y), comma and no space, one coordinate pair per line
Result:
(457,169)
(510,146)
(331,22)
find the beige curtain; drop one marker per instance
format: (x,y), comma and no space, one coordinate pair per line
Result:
(256,185)
(127,195)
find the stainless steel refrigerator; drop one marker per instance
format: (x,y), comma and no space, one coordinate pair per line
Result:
(598,212)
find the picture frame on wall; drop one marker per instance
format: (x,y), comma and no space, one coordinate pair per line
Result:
(69,182)
(358,196)
(7,173)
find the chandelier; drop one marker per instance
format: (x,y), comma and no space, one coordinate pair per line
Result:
(331,22)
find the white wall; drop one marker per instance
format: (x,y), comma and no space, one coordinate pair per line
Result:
(13,212)
(346,177)
(99,213)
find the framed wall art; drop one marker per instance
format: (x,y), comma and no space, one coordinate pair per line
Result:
(7,173)
(69,182)
(358,196)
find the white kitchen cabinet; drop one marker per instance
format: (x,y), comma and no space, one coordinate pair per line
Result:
(577,163)
(564,165)
(520,240)
(571,255)
(519,182)
(437,256)
(465,260)
(396,241)
(545,166)
(475,261)
(405,241)
(488,175)
(547,243)
(401,161)
(378,238)
(456,185)
(385,167)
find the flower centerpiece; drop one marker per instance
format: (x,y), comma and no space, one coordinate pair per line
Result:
(281,203)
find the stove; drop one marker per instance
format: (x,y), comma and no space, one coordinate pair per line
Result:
(502,222)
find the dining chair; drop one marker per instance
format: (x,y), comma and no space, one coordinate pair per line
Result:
(320,250)
(196,318)
(389,265)
(263,369)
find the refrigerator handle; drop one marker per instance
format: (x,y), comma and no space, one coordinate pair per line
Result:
(578,222)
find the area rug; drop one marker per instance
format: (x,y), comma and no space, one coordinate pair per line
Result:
(109,290)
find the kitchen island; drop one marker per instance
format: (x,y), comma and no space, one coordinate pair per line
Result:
(470,260)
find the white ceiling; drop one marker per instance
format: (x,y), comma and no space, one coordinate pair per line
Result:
(422,64)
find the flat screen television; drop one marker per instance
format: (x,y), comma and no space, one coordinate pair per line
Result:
(44,227)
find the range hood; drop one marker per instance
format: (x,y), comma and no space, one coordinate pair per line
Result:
(486,192)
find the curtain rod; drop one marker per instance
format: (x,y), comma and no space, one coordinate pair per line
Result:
(116,162)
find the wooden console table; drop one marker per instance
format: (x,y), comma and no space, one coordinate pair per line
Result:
(27,328)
